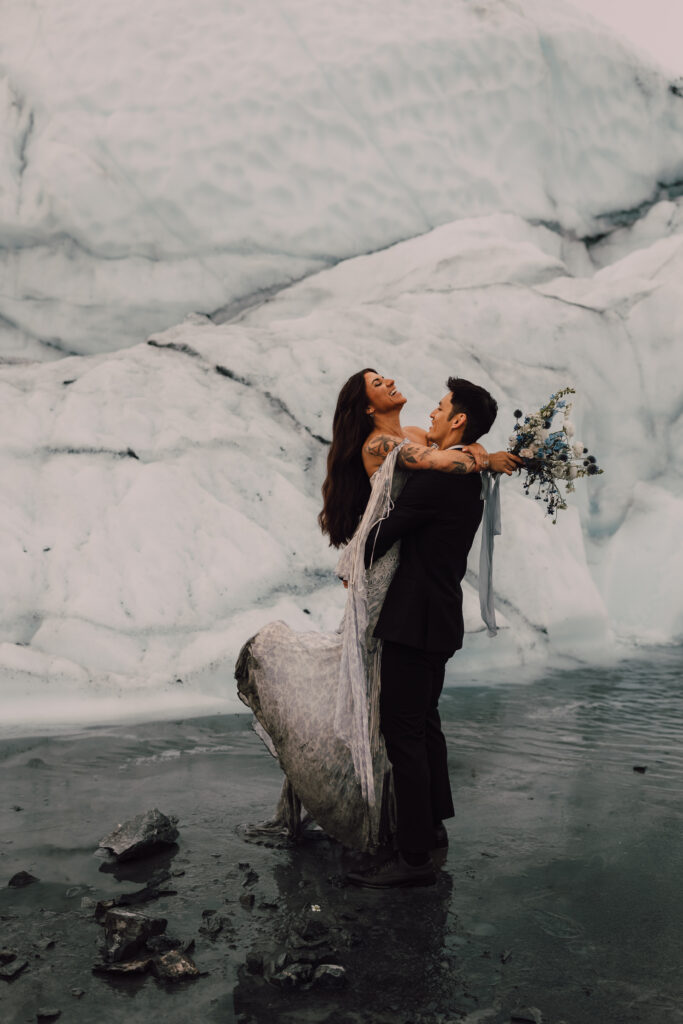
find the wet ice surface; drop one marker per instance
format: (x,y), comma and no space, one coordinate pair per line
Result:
(563,889)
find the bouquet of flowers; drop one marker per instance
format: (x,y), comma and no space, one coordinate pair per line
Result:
(549,451)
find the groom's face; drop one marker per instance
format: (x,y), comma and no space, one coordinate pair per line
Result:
(445,431)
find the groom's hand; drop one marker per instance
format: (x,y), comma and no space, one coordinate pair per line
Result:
(504,462)
(479,454)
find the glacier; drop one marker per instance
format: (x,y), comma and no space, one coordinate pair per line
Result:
(492,190)
(171,157)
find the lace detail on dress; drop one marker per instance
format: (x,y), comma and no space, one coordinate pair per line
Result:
(316,697)
(379,576)
(356,718)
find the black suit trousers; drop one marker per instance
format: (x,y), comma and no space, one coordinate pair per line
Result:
(412,680)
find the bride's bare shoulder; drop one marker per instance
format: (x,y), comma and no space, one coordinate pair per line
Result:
(376,449)
(380,445)
(416,434)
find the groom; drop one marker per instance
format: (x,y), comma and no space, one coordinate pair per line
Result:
(435,517)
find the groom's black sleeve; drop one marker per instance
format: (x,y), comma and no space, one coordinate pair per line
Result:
(417,504)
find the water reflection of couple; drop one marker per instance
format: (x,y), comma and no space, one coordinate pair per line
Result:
(353,715)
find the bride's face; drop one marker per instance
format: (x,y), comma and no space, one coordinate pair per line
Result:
(383,395)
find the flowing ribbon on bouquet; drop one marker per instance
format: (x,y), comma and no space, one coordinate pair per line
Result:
(490,528)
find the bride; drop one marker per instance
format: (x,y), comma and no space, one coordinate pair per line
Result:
(315,696)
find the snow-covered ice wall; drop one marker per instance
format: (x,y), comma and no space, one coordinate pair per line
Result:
(159,503)
(159,497)
(171,156)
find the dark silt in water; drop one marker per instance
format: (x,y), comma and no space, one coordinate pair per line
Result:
(561,899)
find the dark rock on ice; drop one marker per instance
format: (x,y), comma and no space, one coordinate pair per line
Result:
(308,930)
(174,966)
(292,976)
(165,943)
(529,1015)
(281,961)
(78,993)
(46,1013)
(214,923)
(247,900)
(126,932)
(329,976)
(127,967)
(7,956)
(21,879)
(12,970)
(133,899)
(141,835)
(103,907)
(640,768)
(254,962)
(313,956)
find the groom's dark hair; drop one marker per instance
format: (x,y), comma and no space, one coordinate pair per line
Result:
(479,406)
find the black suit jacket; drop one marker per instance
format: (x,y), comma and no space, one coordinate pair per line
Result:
(435,517)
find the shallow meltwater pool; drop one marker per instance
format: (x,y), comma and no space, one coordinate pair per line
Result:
(628,717)
(561,897)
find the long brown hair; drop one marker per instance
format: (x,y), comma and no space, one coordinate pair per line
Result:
(346,488)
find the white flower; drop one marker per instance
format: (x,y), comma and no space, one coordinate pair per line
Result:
(527,453)
(573,471)
(577,450)
(315,907)
(568,428)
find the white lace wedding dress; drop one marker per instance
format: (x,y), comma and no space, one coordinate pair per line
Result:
(315,697)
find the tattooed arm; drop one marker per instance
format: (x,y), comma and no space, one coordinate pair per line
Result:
(470,459)
(419,436)
(416,456)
